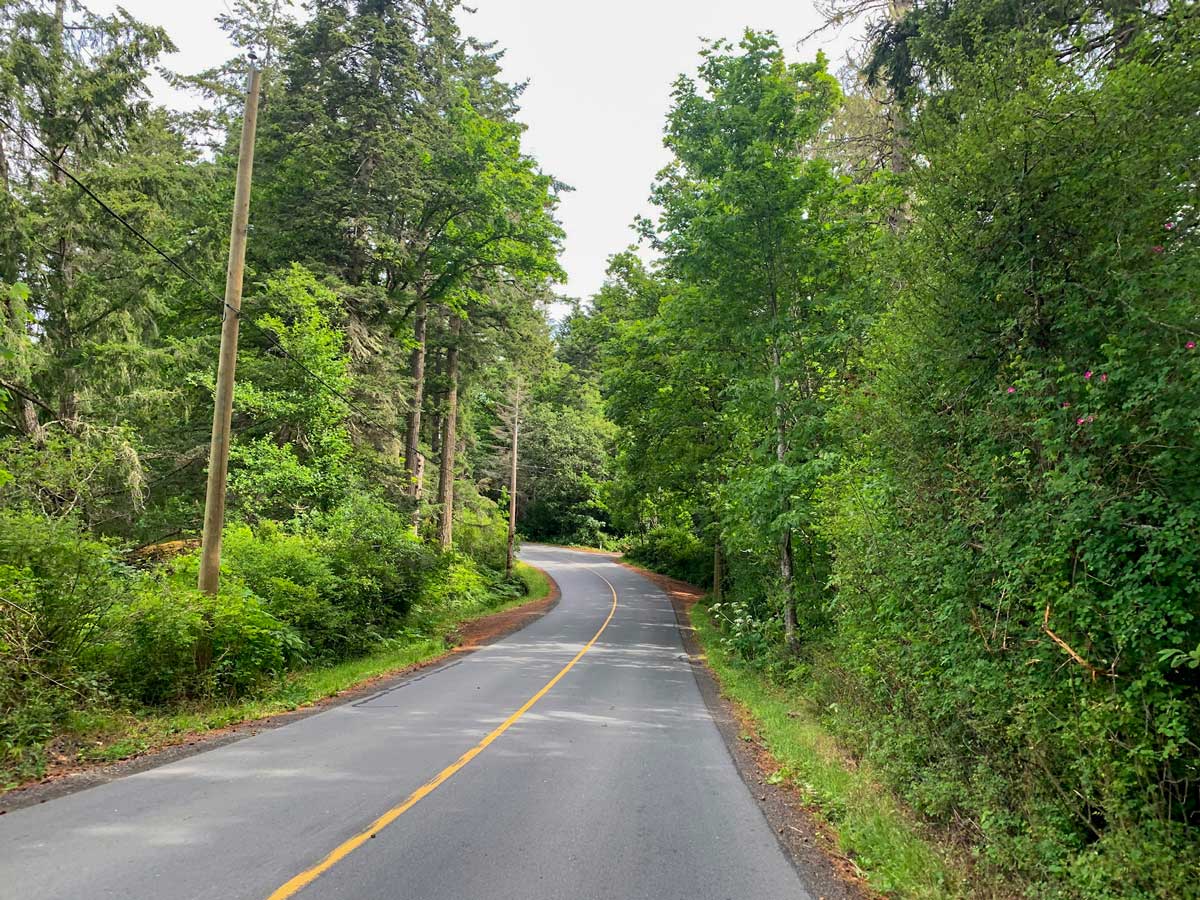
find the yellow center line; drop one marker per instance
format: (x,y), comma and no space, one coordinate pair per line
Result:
(294,885)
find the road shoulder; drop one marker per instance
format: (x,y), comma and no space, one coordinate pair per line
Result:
(808,842)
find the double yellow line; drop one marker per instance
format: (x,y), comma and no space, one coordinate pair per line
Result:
(291,887)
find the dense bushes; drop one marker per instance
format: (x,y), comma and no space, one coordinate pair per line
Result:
(1016,519)
(295,582)
(170,642)
(673,550)
(57,592)
(344,579)
(79,626)
(966,473)
(481,528)
(59,588)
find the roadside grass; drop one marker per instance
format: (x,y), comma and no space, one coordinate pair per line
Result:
(537,586)
(101,734)
(872,828)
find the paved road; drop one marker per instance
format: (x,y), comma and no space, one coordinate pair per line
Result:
(614,784)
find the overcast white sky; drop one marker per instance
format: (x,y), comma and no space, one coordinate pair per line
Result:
(600,77)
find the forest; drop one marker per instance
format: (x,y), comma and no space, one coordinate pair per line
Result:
(903,372)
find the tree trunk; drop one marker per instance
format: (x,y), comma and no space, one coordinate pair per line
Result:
(786,561)
(786,566)
(437,421)
(718,569)
(897,126)
(449,440)
(412,436)
(438,401)
(27,420)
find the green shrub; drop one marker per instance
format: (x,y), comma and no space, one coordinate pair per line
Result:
(674,550)
(381,566)
(32,701)
(292,577)
(59,585)
(746,633)
(56,589)
(463,588)
(30,712)
(1017,515)
(480,527)
(345,580)
(173,643)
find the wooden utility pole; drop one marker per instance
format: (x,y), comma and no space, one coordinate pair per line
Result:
(512,482)
(218,454)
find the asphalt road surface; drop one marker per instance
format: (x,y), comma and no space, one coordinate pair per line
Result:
(613,783)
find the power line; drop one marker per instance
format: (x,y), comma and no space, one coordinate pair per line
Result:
(46,157)
(190,276)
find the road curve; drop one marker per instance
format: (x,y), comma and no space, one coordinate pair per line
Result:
(614,784)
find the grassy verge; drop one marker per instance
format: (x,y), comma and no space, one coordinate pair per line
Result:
(871,826)
(107,735)
(537,585)
(99,734)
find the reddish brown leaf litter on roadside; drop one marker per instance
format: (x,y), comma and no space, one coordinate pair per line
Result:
(489,628)
(680,592)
